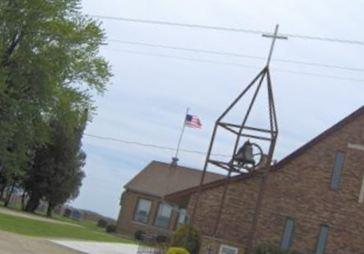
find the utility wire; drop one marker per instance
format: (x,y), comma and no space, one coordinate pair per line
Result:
(228,29)
(237,65)
(224,53)
(327,39)
(182,58)
(154,146)
(156,22)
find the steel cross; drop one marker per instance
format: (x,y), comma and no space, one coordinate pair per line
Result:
(275,36)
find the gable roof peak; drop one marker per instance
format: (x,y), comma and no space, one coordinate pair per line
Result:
(160,178)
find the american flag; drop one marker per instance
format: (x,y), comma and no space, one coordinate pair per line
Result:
(193,121)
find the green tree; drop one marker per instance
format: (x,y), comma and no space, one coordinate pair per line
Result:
(47,47)
(56,173)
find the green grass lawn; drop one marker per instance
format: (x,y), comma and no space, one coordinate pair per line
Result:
(84,223)
(31,227)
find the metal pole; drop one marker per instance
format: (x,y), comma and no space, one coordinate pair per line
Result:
(239,97)
(274,126)
(249,110)
(263,73)
(175,158)
(259,202)
(216,226)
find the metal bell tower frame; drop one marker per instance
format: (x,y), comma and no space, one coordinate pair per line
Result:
(241,129)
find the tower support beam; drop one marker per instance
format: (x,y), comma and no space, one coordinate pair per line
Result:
(236,164)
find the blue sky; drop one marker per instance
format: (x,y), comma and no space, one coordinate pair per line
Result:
(148,95)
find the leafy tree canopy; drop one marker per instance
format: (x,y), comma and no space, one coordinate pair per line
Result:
(56,171)
(48,50)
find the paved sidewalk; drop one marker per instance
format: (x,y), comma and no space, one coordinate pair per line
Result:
(98,247)
(17,244)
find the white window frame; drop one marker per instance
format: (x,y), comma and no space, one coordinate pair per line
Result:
(160,208)
(182,213)
(236,250)
(361,193)
(137,208)
(359,147)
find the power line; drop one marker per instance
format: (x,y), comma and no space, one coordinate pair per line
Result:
(319,75)
(154,146)
(228,29)
(224,53)
(237,65)
(184,58)
(327,39)
(156,22)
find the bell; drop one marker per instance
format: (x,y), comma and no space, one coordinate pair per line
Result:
(245,154)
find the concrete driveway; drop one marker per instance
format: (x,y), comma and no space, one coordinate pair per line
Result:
(17,244)
(98,247)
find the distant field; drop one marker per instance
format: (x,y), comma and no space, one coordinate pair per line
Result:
(31,227)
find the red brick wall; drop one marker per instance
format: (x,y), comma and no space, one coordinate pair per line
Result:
(236,215)
(301,190)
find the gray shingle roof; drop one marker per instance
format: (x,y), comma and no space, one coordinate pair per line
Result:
(160,179)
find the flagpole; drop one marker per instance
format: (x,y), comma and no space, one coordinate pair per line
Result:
(175,158)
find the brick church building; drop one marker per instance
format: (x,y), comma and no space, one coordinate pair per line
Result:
(142,206)
(311,202)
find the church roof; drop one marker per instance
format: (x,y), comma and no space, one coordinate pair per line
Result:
(159,179)
(359,112)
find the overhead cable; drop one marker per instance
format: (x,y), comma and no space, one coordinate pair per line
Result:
(156,22)
(191,59)
(229,29)
(224,53)
(154,146)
